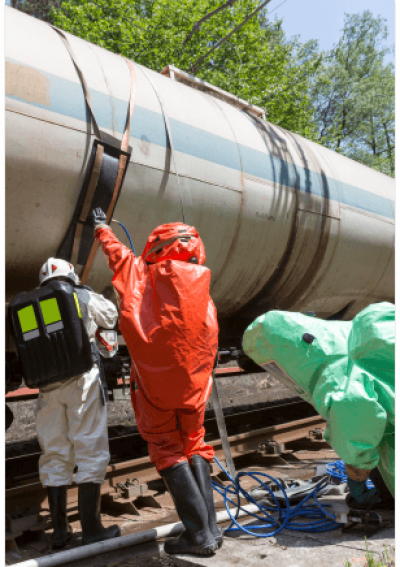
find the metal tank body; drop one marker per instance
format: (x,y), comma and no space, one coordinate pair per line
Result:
(286,223)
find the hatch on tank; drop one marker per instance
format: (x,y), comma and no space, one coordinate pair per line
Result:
(191,81)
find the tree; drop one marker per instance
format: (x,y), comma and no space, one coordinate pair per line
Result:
(256,63)
(353,95)
(38,8)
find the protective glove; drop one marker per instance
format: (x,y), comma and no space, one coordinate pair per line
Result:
(363,496)
(98,217)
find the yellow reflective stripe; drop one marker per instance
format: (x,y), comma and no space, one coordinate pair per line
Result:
(50,311)
(27,319)
(77,305)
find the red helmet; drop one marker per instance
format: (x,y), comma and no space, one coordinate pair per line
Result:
(174,241)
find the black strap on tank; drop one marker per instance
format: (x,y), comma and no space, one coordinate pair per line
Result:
(103,179)
(98,189)
(81,78)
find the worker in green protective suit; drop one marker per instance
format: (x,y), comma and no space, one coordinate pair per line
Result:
(346,371)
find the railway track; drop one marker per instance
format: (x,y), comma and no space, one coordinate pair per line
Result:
(126,443)
(261,432)
(26,394)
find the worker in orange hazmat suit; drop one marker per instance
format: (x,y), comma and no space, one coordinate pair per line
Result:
(169,323)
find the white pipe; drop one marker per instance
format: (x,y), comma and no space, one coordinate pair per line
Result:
(63,557)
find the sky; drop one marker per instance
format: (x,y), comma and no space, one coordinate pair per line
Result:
(323,19)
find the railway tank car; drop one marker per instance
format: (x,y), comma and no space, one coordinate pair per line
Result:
(286,223)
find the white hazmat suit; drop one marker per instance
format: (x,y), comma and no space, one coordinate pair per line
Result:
(71,417)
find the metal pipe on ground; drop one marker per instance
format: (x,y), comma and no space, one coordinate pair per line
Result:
(70,555)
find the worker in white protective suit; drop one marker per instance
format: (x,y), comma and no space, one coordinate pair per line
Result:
(71,425)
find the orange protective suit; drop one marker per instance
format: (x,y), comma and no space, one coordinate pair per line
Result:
(169,323)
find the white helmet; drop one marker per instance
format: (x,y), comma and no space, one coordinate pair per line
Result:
(55,268)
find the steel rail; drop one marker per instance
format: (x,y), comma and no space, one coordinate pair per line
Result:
(26,394)
(25,466)
(144,471)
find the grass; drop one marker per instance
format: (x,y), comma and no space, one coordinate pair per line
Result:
(370,561)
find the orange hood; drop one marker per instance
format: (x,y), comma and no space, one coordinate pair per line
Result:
(174,241)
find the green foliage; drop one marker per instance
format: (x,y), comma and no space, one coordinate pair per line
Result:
(353,95)
(372,562)
(344,98)
(38,8)
(257,63)
(387,559)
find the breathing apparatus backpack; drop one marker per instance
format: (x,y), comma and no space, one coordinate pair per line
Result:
(49,333)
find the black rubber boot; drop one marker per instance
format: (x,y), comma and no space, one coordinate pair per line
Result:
(388,502)
(192,511)
(62,531)
(89,515)
(201,471)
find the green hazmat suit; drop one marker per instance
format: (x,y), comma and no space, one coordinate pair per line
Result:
(345,369)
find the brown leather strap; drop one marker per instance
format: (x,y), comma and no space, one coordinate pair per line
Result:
(98,158)
(93,183)
(121,169)
(81,77)
(94,178)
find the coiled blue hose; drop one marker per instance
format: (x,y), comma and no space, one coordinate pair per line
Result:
(274,516)
(127,234)
(338,470)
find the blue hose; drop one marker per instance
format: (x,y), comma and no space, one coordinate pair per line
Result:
(337,470)
(272,516)
(127,234)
